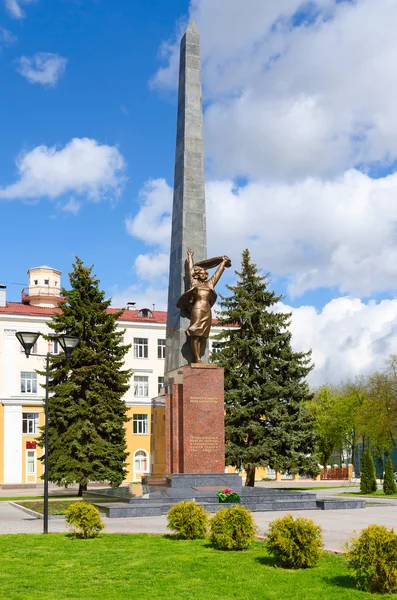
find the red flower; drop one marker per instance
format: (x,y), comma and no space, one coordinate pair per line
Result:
(227,491)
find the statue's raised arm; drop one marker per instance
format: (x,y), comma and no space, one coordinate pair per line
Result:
(199,299)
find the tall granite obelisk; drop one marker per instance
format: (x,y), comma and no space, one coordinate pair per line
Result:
(188,212)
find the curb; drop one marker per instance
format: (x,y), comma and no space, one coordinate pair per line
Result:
(35,514)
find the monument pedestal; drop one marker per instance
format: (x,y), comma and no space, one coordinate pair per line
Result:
(194,422)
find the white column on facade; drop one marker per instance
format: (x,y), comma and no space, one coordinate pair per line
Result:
(10,363)
(12,444)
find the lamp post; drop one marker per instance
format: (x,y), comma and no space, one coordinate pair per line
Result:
(68,343)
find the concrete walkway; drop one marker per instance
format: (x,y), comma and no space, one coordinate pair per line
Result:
(338,525)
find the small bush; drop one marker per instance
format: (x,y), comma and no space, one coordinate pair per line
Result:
(373,559)
(232,528)
(389,483)
(189,520)
(368,474)
(85,518)
(295,543)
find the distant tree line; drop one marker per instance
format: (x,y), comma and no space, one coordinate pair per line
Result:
(363,411)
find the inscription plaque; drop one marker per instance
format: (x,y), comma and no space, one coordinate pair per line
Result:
(203,400)
(201,443)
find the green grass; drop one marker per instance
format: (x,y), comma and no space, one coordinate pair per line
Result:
(147,567)
(56,507)
(16,498)
(377,494)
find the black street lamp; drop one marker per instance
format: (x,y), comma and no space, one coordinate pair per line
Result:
(68,343)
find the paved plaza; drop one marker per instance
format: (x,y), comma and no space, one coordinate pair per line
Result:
(338,525)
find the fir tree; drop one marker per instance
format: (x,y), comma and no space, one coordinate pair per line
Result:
(389,483)
(87,412)
(367,473)
(266,419)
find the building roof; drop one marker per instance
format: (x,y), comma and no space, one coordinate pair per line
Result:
(17,308)
(44,267)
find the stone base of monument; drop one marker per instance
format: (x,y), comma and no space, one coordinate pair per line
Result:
(194,422)
(194,460)
(202,488)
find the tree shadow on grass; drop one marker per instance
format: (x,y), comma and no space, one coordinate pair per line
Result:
(268,561)
(172,536)
(341,581)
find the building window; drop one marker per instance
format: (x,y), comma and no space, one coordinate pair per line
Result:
(160,348)
(146,313)
(141,386)
(55,347)
(36,282)
(140,461)
(141,348)
(28,382)
(31,462)
(160,384)
(216,347)
(140,424)
(46,282)
(30,423)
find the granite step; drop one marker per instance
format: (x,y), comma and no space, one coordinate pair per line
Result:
(150,509)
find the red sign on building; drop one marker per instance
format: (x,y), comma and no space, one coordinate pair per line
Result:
(30,445)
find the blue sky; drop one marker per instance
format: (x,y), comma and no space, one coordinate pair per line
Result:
(104,94)
(300,140)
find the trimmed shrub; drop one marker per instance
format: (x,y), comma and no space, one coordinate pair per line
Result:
(373,559)
(232,528)
(368,474)
(85,519)
(294,543)
(188,520)
(389,483)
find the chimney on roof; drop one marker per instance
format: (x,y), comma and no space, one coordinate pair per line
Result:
(3,295)
(130,305)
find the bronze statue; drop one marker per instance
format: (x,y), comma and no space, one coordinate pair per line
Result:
(199,299)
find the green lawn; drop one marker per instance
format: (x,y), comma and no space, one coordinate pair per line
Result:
(146,567)
(55,507)
(17,498)
(377,494)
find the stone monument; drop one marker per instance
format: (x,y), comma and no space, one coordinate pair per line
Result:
(194,400)
(188,211)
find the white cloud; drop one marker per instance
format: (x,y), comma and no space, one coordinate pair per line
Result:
(83,167)
(72,206)
(6,37)
(43,67)
(14,8)
(152,225)
(340,233)
(144,297)
(152,222)
(152,267)
(348,337)
(286,102)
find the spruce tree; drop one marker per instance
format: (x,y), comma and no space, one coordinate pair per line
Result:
(87,440)
(389,483)
(266,419)
(367,473)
